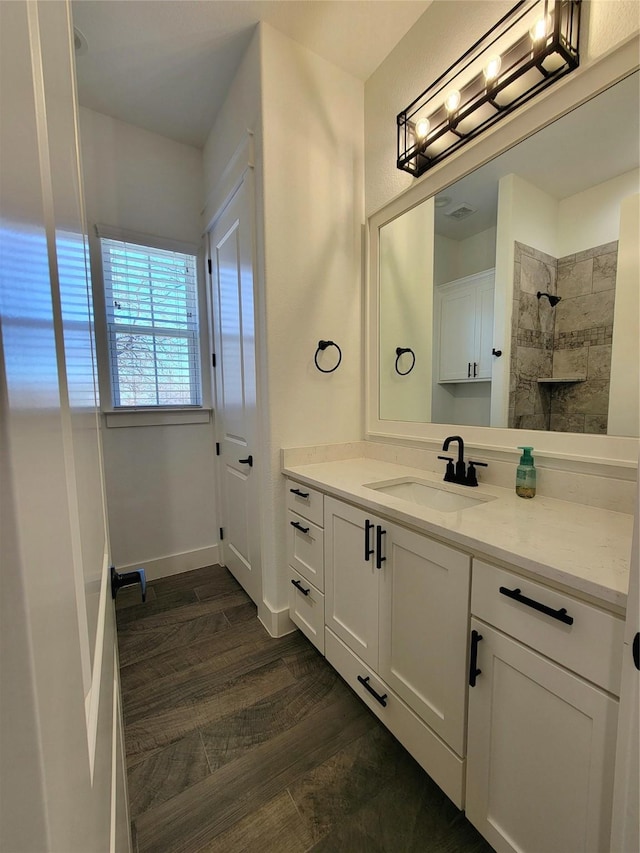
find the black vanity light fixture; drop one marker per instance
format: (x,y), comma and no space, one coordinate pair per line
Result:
(530,48)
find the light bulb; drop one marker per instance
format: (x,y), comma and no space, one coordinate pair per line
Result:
(452,101)
(540,29)
(492,68)
(423,126)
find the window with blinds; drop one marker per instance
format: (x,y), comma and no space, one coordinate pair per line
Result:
(151,300)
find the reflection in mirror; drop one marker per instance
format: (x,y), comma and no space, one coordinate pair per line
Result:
(518,285)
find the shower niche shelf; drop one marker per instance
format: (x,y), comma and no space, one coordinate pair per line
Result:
(560,380)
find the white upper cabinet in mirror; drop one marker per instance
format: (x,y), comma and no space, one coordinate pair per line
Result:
(511,299)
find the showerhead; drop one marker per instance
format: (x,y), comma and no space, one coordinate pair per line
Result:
(553,300)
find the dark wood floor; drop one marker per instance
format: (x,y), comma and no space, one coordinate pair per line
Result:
(237,742)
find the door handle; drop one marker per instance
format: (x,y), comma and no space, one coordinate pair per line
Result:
(299,527)
(475,369)
(248,461)
(128,579)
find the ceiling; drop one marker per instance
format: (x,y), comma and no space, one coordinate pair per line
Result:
(166,65)
(602,133)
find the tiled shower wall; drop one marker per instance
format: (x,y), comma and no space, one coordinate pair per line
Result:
(571,340)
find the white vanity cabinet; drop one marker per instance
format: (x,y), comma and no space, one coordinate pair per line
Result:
(544,674)
(305,559)
(399,601)
(465,328)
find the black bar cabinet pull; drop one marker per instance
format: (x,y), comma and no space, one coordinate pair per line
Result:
(475,369)
(248,461)
(368,527)
(299,493)
(365,683)
(468,370)
(379,558)
(299,586)
(516,595)
(299,527)
(474,672)
(636,650)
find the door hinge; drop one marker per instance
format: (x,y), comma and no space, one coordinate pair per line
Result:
(217,448)
(209,265)
(213,359)
(222,533)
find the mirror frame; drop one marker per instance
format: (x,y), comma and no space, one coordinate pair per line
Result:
(581,86)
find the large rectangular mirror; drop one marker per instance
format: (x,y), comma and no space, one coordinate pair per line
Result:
(511,298)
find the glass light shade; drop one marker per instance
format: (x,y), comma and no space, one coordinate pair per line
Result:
(492,68)
(422,128)
(540,29)
(452,101)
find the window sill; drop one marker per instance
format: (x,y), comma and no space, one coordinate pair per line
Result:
(156,417)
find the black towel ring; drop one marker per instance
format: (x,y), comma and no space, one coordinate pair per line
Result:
(401,351)
(322,345)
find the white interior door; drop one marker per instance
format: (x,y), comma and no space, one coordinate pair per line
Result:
(63,782)
(231,254)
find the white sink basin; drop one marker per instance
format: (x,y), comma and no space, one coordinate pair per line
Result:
(423,493)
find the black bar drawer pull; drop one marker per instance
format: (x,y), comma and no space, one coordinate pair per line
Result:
(365,683)
(516,595)
(248,461)
(299,527)
(379,558)
(299,586)
(368,527)
(299,493)
(474,672)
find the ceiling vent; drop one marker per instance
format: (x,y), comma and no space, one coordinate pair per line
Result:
(461,211)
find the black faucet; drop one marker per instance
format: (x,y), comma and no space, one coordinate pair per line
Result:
(461,469)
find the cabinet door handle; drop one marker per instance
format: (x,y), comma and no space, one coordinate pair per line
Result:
(368,527)
(474,672)
(365,683)
(379,558)
(475,369)
(248,461)
(561,614)
(299,586)
(468,370)
(636,650)
(299,493)
(299,527)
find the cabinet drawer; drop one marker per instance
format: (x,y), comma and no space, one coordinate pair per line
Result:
(305,548)
(306,608)
(591,646)
(306,502)
(441,763)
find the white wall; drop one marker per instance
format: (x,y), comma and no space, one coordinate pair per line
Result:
(442,34)
(528,215)
(160,479)
(459,258)
(624,402)
(592,218)
(306,117)
(406,313)
(314,215)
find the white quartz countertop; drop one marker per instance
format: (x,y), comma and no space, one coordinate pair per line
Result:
(580,547)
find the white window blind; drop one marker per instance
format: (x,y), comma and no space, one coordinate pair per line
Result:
(151,300)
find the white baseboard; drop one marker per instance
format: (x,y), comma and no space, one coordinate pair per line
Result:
(175,564)
(277,622)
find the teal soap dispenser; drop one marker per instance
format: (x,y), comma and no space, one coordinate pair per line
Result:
(526,475)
